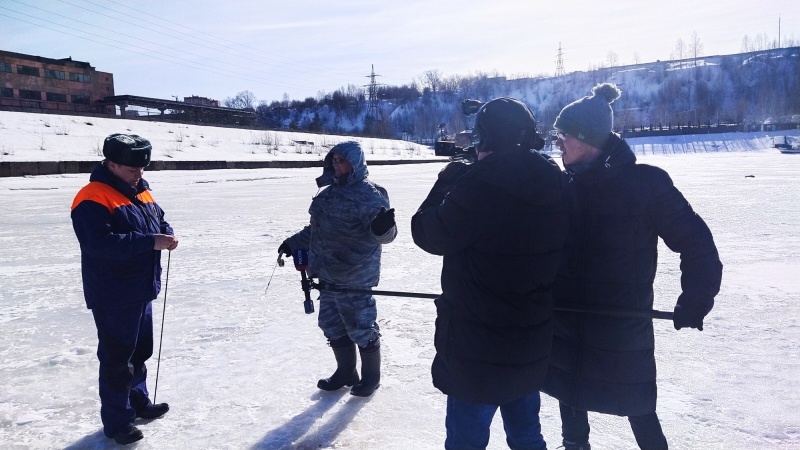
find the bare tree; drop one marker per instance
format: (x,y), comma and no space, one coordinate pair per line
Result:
(613,59)
(449,86)
(432,79)
(636,58)
(680,49)
(760,42)
(747,47)
(356,92)
(242,100)
(695,47)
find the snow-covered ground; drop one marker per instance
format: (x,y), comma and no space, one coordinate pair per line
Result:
(48,137)
(240,362)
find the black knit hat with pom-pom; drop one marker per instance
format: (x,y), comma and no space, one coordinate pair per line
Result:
(590,119)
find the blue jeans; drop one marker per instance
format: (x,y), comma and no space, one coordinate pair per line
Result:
(468,424)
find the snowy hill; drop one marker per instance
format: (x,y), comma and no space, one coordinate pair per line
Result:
(48,137)
(746,89)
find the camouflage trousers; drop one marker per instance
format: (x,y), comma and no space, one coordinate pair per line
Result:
(343,314)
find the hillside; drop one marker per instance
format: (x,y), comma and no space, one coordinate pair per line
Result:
(745,89)
(49,137)
(32,137)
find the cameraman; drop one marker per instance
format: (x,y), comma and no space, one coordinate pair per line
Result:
(500,224)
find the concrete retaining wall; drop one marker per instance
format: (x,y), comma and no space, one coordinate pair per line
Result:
(24,168)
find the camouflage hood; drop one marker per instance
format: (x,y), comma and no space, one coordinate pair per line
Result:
(352,152)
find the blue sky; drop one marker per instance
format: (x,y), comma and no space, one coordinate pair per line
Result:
(302,48)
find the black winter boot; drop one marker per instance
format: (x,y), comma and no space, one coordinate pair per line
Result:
(370,369)
(128,435)
(152,411)
(346,375)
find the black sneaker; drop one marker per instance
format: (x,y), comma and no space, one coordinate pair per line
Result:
(152,411)
(128,435)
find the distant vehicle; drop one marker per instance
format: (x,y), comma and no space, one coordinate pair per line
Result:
(459,147)
(785,145)
(781,142)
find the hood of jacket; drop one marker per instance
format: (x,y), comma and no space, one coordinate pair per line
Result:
(526,174)
(352,152)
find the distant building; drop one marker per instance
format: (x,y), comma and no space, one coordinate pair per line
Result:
(35,83)
(202,101)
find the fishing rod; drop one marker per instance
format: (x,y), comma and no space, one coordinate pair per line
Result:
(161,339)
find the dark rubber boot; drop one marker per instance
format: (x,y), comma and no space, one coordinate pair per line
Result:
(346,375)
(370,369)
(128,435)
(152,411)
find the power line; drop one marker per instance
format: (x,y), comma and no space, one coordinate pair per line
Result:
(138,39)
(149,54)
(205,33)
(252,54)
(163,31)
(153,54)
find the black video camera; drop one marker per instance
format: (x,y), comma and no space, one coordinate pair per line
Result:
(454,152)
(459,148)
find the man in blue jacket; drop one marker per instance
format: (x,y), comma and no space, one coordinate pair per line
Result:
(122,231)
(618,210)
(350,220)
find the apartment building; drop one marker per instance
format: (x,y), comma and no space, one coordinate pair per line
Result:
(38,84)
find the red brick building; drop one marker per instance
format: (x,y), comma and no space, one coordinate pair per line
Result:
(202,101)
(37,84)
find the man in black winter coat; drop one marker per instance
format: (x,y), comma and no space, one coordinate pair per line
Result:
(618,210)
(500,224)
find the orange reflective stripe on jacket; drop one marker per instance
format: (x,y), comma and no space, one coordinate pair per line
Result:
(107,196)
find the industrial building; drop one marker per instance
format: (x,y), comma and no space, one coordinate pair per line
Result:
(31,83)
(37,84)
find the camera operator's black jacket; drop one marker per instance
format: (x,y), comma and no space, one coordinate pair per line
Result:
(501,229)
(618,210)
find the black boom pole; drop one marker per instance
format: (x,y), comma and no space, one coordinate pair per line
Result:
(618,312)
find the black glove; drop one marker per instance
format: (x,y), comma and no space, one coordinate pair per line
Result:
(285,249)
(688,316)
(383,222)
